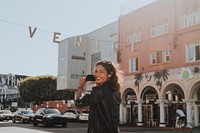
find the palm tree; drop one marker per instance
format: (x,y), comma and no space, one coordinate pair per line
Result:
(196,70)
(164,74)
(138,79)
(157,75)
(160,76)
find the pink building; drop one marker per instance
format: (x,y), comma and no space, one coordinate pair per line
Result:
(160,56)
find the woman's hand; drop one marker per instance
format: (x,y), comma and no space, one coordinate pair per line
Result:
(82,82)
(80,88)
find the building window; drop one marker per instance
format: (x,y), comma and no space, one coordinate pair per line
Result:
(166,55)
(159,56)
(153,58)
(135,37)
(190,19)
(192,52)
(133,64)
(133,46)
(166,27)
(152,30)
(76,76)
(159,28)
(75,57)
(128,39)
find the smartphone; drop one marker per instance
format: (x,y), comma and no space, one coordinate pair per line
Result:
(90,78)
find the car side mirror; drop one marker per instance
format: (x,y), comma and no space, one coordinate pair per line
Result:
(42,113)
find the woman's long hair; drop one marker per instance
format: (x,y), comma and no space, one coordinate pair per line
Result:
(114,81)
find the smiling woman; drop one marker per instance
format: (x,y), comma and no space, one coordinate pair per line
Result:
(104,99)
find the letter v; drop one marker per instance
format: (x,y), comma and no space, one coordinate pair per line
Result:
(30,31)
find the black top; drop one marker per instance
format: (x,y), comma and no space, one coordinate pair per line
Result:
(104,109)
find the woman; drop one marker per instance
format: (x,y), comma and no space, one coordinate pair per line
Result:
(104,100)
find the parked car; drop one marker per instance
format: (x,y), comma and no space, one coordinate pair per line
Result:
(83,117)
(6,115)
(49,117)
(72,114)
(23,116)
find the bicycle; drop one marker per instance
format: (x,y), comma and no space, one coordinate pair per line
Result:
(184,125)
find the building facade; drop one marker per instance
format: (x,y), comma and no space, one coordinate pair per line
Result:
(9,89)
(160,57)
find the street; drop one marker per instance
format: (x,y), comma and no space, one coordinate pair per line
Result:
(72,127)
(18,127)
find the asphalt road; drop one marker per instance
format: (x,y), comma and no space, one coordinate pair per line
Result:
(72,127)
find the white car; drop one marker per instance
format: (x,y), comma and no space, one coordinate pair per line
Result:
(72,115)
(6,115)
(83,117)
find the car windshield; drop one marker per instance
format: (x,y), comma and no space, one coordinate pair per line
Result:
(72,111)
(86,112)
(26,112)
(52,111)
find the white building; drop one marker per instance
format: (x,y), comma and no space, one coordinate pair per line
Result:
(77,55)
(9,88)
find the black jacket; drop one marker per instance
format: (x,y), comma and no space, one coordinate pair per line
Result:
(104,109)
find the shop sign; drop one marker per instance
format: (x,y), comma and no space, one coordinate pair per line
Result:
(151,97)
(131,97)
(14,104)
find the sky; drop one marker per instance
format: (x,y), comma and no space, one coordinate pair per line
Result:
(22,55)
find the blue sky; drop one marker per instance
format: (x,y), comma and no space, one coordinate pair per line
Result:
(36,56)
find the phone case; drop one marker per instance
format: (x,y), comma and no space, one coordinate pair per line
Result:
(90,78)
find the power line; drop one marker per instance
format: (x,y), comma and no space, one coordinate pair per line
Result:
(25,26)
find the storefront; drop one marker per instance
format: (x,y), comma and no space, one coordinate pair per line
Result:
(150,104)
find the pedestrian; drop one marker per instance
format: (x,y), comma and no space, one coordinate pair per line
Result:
(181,115)
(104,99)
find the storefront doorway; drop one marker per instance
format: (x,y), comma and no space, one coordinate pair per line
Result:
(150,109)
(174,96)
(130,98)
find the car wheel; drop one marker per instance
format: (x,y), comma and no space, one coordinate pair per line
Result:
(13,120)
(77,120)
(45,123)
(64,125)
(21,120)
(34,123)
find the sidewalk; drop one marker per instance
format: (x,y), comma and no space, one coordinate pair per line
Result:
(19,130)
(155,129)
(123,129)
